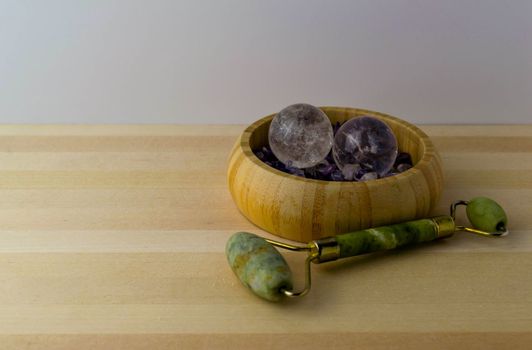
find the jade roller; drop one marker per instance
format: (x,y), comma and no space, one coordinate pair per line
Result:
(261,268)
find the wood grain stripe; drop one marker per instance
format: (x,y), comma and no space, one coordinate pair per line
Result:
(296,341)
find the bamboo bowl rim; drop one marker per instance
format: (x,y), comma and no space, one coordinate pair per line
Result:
(424,143)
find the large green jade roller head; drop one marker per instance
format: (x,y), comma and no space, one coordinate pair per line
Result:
(261,268)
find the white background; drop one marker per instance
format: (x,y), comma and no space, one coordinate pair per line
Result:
(156,61)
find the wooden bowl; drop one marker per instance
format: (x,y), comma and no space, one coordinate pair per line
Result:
(303,209)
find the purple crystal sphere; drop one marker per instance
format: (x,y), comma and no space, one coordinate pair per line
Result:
(300,135)
(365,141)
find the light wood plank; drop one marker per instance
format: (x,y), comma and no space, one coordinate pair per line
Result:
(169,241)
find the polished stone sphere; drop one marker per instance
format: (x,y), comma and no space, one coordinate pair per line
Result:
(367,142)
(300,135)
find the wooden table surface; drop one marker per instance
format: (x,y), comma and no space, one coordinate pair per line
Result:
(113,237)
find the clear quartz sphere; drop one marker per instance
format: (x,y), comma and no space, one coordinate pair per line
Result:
(300,135)
(365,141)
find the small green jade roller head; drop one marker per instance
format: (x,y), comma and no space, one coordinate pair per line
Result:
(261,268)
